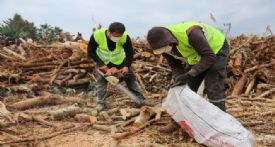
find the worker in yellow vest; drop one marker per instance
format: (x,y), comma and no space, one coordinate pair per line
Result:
(196,52)
(113,53)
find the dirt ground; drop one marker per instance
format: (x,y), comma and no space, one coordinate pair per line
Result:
(85,136)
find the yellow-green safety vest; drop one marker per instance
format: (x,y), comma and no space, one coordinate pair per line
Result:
(214,37)
(116,56)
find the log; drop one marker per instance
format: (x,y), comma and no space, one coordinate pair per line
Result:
(14,53)
(102,128)
(261,87)
(130,121)
(28,118)
(86,118)
(128,113)
(147,64)
(113,110)
(90,111)
(93,119)
(78,82)
(7,57)
(55,72)
(146,113)
(238,88)
(46,136)
(232,51)
(36,64)
(120,136)
(6,118)
(23,87)
(106,116)
(238,60)
(43,100)
(45,67)
(266,93)
(249,87)
(69,111)
(141,83)
(68,77)
(82,117)
(257,67)
(4,112)
(251,124)
(22,51)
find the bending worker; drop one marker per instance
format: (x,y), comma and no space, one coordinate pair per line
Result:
(113,53)
(195,51)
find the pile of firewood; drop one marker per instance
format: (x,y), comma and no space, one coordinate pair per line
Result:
(153,72)
(36,66)
(31,63)
(251,66)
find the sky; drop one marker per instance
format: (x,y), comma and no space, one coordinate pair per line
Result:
(138,16)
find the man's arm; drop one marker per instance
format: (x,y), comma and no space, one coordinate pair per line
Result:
(128,48)
(175,64)
(92,46)
(199,42)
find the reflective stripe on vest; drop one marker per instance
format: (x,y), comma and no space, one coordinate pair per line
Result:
(214,37)
(116,56)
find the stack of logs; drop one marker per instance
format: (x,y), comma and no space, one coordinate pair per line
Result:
(38,66)
(251,66)
(250,84)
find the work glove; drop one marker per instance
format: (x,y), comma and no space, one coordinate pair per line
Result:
(124,70)
(103,69)
(180,80)
(112,71)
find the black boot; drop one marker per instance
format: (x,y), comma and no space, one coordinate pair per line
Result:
(220,105)
(141,99)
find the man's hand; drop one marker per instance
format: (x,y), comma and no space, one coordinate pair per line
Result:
(112,71)
(180,80)
(124,70)
(103,69)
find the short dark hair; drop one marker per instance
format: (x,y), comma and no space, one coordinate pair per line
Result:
(116,27)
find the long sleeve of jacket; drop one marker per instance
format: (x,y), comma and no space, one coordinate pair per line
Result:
(128,48)
(200,43)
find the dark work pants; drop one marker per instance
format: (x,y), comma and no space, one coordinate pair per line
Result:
(214,79)
(130,80)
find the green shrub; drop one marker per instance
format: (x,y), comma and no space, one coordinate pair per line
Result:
(13,29)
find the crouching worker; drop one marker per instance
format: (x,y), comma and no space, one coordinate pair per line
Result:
(113,53)
(195,51)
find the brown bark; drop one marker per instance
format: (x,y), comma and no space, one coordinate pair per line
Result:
(78,82)
(257,67)
(55,72)
(238,60)
(25,117)
(102,128)
(125,134)
(69,111)
(43,100)
(249,87)
(238,88)
(46,136)
(128,113)
(266,93)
